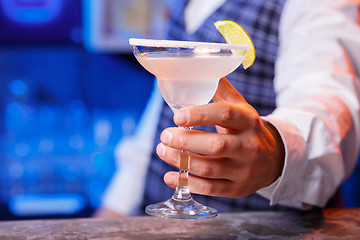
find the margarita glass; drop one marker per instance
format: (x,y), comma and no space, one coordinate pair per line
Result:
(187,74)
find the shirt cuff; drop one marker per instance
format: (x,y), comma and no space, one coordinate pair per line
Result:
(284,190)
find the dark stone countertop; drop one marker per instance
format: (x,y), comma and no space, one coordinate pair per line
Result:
(321,224)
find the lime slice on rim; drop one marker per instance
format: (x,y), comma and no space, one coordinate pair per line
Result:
(235,34)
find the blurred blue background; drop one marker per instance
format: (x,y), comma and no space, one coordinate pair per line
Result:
(70,89)
(65,102)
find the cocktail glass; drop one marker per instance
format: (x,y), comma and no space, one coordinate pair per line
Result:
(187,74)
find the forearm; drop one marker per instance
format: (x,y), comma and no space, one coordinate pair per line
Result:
(317,111)
(317,159)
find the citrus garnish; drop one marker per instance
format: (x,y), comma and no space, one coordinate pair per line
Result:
(235,34)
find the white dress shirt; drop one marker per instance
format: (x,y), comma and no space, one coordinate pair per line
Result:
(317,114)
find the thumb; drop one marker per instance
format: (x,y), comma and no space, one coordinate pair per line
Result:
(227,93)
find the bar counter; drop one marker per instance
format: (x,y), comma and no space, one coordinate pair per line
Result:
(320,224)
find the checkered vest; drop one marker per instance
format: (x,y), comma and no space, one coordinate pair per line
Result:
(260,18)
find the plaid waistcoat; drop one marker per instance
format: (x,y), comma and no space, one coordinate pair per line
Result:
(260,18)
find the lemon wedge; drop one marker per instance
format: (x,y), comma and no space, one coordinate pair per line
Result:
(235,34)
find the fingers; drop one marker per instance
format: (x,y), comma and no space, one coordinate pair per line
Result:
(204,143)
(230,110)
(202,166)
(209,187)
(226,115)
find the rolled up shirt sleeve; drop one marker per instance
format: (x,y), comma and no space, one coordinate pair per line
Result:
(317,114)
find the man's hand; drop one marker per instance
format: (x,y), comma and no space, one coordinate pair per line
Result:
(246,153)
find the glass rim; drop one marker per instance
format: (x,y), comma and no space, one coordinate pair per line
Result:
(185,44)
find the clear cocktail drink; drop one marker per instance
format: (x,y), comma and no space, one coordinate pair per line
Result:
(188,79)
(187,74)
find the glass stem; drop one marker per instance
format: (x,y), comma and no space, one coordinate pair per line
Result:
(182,192)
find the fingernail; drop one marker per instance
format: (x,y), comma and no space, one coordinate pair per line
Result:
(161,149)
(181,117)
(166,137)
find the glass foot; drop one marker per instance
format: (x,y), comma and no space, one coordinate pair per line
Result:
(182,209)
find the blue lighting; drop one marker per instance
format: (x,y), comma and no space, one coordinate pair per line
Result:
(69,174)
(76,142)
(43,204)
(60,125)
(18,87)
(46,145)
(101,162)
(16,170)
(96,186)
(32,11)
(22,149)
(47,115)
(14,109)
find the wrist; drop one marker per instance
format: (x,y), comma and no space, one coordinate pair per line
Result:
(278,155)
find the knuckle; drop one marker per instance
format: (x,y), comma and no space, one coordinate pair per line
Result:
(226,113)
(217,145)
(257,124)
(200,116)
(206,171)
(181,141)
(255,148)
